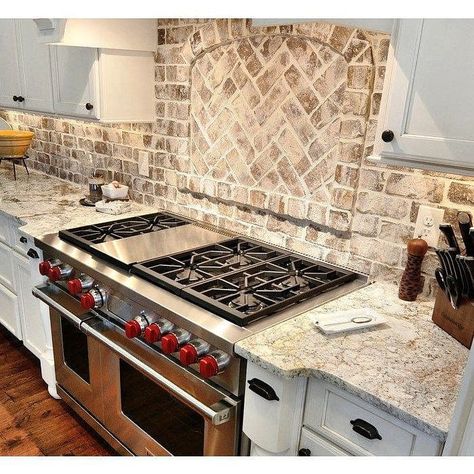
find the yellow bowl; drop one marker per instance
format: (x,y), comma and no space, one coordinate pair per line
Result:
(14,142)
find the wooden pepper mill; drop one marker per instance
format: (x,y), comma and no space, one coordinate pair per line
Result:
(410,284)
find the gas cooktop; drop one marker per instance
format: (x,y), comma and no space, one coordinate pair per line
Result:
(237,278)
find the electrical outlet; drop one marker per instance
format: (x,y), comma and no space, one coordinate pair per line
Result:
(143,163)
(427,224)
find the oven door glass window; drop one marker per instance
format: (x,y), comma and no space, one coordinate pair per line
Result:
(168,421)
(75,349)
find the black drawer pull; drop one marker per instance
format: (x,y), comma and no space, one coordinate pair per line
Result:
(23,239)
(365,429)
(32,253)
(387,136)
(89,106)
(304,452)
(262,389)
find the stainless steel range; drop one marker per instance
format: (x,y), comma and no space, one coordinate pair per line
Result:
(145,313)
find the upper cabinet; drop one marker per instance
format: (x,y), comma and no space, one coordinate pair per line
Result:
(25,77)
(110,85)
(428,101)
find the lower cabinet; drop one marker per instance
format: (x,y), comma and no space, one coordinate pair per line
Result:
(21,313)
(310,417)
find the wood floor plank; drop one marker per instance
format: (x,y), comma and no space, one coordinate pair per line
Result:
(32,423)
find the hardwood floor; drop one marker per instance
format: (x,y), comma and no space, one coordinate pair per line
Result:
(32,423)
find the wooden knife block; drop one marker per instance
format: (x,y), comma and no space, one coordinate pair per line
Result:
(458,323)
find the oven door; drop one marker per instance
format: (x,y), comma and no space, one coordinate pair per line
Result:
(76,356)
(156,407)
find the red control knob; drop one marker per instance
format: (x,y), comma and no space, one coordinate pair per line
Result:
(44,267)
(188,354)
(132,329)
(54,274)
(87,301)
(152,333)
(74,286)
(208,367)
(169,343)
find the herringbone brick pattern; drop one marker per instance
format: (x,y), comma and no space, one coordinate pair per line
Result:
(266,113)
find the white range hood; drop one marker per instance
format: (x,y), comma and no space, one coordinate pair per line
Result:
(126,34)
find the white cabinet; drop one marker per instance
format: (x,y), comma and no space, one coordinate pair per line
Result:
(10,67)
(25,77)
(310,417)
(35,69)
(109,85)
(428,100)
(105,84)
(21,313)
(75,79)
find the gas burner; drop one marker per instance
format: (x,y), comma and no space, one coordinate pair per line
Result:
(246,302)
(189,275)
(239,260)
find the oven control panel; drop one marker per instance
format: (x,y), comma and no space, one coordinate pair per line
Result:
(165,336)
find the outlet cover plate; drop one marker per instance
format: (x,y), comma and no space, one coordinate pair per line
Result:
(143,163)
(427,224)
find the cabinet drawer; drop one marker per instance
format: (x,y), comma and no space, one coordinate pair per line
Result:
(6,267)
(330,411)
(9,314)
(20,241)
(312,444)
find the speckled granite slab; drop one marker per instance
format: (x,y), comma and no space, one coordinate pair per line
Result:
(408,367)
(44,204)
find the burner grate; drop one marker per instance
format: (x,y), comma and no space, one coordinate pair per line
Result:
(120,229)
(204,263)
(247,295)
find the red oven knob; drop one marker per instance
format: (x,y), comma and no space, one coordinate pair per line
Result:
(188,355)
(74,286)
(152,333)
(169,343)
(93,299)
(213,364)
(60,272)
(208,367)
(132,329)
(87,301)
(44,267)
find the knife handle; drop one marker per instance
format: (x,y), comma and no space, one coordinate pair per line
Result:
(465,223)
(448,232)
(468,278)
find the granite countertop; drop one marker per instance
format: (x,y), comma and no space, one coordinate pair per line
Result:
(44,204)
(408,367)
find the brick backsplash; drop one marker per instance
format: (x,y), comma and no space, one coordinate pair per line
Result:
(264,131)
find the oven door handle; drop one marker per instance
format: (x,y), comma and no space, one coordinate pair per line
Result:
(219,413)
(44,292)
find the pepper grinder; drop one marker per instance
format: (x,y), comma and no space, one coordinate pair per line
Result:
(410,284)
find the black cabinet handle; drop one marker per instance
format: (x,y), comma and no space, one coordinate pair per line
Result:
(304,452)
(23,239)
(21,98)
(387,136)
(365,429)
(15,98)
(89,106)
(263,389)
(32,253)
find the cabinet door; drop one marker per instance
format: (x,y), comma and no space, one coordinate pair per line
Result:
(430,103)
(75,81)
(10,75)
(31,310)
(6,267)
(35,68)
(9,315)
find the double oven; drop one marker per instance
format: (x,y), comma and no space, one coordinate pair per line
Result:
(140,401)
